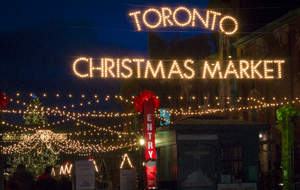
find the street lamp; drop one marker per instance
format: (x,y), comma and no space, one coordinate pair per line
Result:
(142,142)
(140,169)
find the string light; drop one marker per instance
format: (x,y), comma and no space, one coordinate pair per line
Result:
(159,19)
(165,17)
(112,69)
(175,69)
(254,69)
(155,73)
(69,146)
(234,21)
(244,66)
(211,73)
(66,169)
(279,62)
(197,14)
(215,14)
(231,70)
(267,70)
(59,142)
(166,13)
(126,157)
(188,14)
(75,67)
(135,15)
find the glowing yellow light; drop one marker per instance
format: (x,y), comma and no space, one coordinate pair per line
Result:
(142,142)
(254,69)
(279,62)
(166,13)
(159,68)
(127,68)
(268,70)
(244,66)
(138,65)
(66,169)
(187,22)
(231,70)
(75,67)
(197,14)
(168,17)
(217,68)
(126,157)
(152,10)
(108,69)
(135,15)
(215,14)
(175,69)
(186,62)
(221,25)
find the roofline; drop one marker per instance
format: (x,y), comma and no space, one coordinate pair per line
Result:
(270,26)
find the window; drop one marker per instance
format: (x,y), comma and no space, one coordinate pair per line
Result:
(232,160)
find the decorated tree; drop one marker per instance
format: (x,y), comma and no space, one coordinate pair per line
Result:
(34,114)
(37,151)
(286,117)
(35,160)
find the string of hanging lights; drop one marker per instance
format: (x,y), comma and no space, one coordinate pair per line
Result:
(59,143)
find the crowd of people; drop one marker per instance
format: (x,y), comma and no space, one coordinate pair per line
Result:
(22,179)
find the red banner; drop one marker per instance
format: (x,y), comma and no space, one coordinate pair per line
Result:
(150,151)
(149,130)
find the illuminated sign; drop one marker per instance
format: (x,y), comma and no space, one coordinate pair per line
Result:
(164,114)
(140,68)
(183,17)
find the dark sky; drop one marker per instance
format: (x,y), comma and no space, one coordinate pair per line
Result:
(40,39)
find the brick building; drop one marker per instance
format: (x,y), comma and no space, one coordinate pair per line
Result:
(277,39)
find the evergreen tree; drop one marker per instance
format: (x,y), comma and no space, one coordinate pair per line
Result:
(35,113)
(43,153)
(36,160)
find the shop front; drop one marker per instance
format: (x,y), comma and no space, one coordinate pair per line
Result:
(209,154)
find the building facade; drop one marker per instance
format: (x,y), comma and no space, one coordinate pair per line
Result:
(279,39)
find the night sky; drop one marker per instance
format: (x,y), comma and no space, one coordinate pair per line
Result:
(39,40)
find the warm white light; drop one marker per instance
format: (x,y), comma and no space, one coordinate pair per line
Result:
(126,157)
(142,142)
(175,69)
(159,19)
(159,69)
(126,67)
(197,14)
(75,67)
(279,62)
(254,69)
(221,25)
(244,67)
(168,17)
(268,70)
(187,22)
(123,68)
(215,14)
(186,62)
(92,68)
(166,13)
(207,68)
(135,15)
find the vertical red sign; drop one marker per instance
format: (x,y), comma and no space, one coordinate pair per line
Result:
(149,130)
(150,151)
